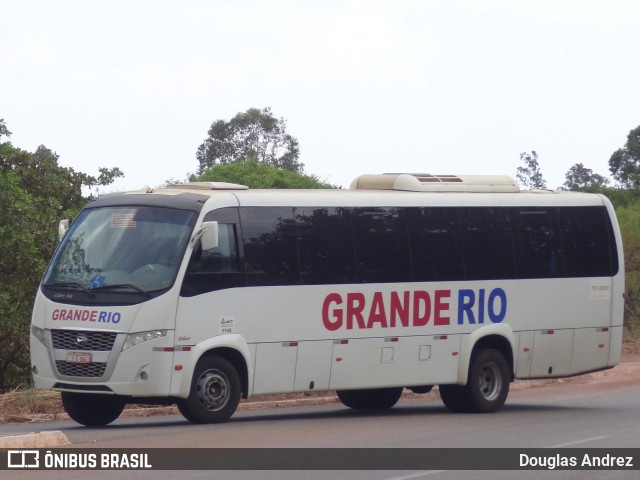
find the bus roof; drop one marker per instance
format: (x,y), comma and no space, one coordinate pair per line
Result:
(374,191)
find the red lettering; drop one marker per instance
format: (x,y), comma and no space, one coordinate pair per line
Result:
(400,310)
(412,308)
(329,323)
(355,306)
(421,308)
(440,307)
(75,315)
(377,313)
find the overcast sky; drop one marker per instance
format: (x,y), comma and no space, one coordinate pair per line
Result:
(435,86)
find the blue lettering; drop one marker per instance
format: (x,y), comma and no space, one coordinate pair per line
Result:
(499,316)
(466,300)
(495,307)
(109,317)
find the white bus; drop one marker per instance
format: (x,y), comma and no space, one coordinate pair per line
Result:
(205,293)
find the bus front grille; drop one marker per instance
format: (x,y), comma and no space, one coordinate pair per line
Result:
(83,340)
(94,370)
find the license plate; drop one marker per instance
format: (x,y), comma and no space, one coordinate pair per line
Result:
(79,357)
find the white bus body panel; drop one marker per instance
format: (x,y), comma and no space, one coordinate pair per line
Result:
(292,347)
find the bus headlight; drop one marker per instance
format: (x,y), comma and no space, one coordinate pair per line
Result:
(140,337)
(39,334)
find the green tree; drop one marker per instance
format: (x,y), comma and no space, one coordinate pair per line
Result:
(251,134)
(530,176)
(624,163)
(35,193)
(21,265)
(578,177)
(255,174)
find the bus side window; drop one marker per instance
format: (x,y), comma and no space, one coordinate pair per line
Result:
(537,243)
(381,244)
(435,244)
(325,245)
(216,268)
(270,246)
(486,243)
(587,242)
(222,259)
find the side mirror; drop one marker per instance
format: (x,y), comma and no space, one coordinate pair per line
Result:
(208,233)
(63,227)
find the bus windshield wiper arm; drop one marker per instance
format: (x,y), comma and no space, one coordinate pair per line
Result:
(121,286)
(67,286)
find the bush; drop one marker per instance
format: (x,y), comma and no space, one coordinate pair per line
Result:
(629,219)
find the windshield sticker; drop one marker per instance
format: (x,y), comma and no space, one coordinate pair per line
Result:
(97,281)
(122,220)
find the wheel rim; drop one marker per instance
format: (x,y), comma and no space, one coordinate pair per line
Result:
(490,381)
(213,390)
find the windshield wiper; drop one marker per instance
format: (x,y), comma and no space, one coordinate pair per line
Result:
(121,286)
(67,286)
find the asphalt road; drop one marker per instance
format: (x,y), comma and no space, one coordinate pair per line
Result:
(566,415)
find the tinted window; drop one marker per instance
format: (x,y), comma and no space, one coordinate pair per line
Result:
(216,268)
(381,243)
(586,234)
(486,241)
(223,258)
(329,245)
(435,244)
(537,243)
(325,244)
(270,246)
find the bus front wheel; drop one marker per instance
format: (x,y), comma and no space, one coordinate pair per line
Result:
(92,410)
(215,392)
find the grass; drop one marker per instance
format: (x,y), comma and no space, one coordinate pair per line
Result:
(631,345)
(26,404)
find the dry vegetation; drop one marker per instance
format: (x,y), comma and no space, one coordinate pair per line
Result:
(23,405)
(631,345)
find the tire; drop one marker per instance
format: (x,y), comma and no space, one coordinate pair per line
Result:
(347,398)
(488,382)
(454,398)
(487,385)
(92,410)
(421,389)
(215,392)
(370,399)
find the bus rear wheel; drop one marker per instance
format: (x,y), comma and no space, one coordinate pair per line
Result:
(371,398)
(487,385)
(92,410)
(215,392)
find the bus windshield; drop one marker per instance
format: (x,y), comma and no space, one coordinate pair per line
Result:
(121,250)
